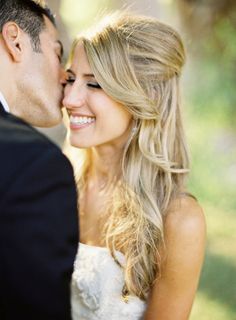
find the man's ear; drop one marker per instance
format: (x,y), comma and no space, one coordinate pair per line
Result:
(13,38)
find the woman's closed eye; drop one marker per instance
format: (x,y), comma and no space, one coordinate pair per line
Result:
(70,80)
(94,85)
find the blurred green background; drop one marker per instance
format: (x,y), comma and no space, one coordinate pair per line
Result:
(209,97)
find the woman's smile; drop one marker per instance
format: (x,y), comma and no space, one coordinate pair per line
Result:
(79,122)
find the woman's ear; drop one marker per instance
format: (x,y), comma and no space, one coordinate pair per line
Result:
(12,36)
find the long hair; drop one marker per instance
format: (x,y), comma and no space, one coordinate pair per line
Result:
(137,61)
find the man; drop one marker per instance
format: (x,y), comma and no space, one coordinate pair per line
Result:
(38,206)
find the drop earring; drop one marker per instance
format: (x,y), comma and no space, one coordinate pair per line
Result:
(134,127)
(133,131)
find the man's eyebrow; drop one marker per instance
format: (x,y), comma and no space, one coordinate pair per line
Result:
(61,47)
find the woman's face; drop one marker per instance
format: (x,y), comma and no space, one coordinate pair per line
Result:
(95,118)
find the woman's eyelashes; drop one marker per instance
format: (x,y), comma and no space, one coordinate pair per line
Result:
(70,80)
(93,85)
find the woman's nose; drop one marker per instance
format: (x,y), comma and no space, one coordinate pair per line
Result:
(73,98)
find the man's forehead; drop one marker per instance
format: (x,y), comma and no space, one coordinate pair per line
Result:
(50,29)
(50,34)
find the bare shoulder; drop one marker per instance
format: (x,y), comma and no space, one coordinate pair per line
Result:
(173,293)
(185,237)
(185,218)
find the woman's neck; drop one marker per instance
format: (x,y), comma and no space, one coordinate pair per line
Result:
(105,166)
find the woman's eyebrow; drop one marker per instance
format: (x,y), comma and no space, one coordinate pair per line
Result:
(70,71)
(88,75)
(85,75)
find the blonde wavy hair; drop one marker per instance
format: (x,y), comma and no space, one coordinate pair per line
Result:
(137,61)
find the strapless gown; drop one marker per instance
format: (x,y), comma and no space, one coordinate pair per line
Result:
(96,287)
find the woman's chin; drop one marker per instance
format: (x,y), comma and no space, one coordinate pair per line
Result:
(79,144)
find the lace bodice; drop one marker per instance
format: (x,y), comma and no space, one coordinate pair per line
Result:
(97,283)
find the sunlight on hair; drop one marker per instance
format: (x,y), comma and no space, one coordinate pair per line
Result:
(42,3)
(103,21)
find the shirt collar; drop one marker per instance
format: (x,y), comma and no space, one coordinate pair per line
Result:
(4,103)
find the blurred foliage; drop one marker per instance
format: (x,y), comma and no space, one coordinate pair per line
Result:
(212,29)
(80,14)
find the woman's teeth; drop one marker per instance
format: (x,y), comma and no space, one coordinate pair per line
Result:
(81,120)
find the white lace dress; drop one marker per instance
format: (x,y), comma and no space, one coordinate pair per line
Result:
(97,283)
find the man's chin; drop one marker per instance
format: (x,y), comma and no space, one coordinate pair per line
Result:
(50,124)
(50,121)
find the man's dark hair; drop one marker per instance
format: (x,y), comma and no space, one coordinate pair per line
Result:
(29,15)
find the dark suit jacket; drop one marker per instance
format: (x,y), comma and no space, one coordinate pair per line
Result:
(38,224)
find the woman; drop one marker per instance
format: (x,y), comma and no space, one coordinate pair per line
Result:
(142,235)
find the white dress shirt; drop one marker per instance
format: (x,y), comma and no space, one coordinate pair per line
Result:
(4,103)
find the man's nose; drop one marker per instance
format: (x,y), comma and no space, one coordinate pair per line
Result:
(63,77)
